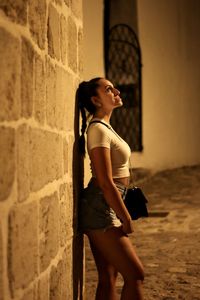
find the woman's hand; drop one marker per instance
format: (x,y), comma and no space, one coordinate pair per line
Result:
(127,226)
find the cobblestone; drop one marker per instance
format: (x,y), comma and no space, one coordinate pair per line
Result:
(167,242)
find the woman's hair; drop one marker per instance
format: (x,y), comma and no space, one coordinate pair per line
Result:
(85,91)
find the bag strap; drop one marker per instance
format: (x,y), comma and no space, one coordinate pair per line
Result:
(109,127)
(98,121)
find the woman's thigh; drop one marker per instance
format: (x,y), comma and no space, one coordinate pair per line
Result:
(107,271)
(118,251)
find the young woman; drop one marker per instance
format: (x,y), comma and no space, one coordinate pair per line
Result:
(103,215)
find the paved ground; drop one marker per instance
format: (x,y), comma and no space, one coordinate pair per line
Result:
(168,244)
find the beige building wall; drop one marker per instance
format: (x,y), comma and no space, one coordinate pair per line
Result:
(168,34)
(169,37)
(40,65)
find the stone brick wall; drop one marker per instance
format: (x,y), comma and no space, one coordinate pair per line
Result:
(40,66)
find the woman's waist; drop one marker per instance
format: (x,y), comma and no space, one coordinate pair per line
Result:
(119,182)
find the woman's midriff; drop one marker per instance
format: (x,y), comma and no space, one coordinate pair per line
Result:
(124,181)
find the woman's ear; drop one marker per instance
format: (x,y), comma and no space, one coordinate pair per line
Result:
(95,101)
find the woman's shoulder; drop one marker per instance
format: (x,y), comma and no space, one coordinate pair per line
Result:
(98,128)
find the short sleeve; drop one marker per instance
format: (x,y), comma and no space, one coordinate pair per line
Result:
(98,136)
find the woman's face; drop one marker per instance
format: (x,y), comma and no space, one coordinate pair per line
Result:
(107,96)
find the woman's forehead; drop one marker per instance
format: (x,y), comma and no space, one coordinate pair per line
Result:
(105,82)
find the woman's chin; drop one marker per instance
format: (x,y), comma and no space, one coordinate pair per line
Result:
(120,103)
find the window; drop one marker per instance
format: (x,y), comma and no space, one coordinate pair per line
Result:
(123,69)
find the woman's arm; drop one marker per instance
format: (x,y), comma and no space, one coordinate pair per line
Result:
(101,160)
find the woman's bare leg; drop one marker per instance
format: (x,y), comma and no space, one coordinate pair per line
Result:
(115,247)
(107,276)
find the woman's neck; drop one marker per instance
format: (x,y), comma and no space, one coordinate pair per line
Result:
(104,117)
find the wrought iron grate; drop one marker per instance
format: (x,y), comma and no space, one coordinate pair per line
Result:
(123,68)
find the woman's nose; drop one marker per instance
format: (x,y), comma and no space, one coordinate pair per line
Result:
(116,92)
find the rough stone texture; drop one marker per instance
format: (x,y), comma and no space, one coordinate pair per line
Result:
(66,213)
(7,161)
(80,51)
(65,156)
(63,38)
(43,288)
(72,44)
(45,152)
(50,93)
(37,21)
(59,93)
(10,76)
(49,229)
(23,162)
(70,154)
(30,294)
(15,10)
(40,90)
(27,81)
(59,2)
(1,264)
(22,247)
(53,32)
(77,8)
(39,257)
(67,2)
(70,103)
(62,80)
(61,278)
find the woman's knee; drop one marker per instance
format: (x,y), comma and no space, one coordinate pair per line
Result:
(137,275)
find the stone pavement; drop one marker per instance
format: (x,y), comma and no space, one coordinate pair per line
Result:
(168,242)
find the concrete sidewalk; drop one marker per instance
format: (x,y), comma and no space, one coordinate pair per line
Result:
(168,242)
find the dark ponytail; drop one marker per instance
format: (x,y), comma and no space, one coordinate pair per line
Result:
(85,91)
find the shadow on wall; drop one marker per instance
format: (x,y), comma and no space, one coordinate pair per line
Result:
(78,182)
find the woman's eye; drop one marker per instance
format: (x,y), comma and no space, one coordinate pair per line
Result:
(109,89)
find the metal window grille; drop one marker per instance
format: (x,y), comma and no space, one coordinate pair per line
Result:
(123,69)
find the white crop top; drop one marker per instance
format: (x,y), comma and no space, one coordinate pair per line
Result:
(99,135)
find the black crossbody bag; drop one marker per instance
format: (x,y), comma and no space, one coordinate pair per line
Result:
(135,200)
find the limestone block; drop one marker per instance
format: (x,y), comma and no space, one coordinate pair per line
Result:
(15,10)
(77,8)
(10,76)
(70,102)
(50,94)
(1,265)
(70,154)
(65,156)
(60,98)
(49,229)
(63,39)
(22,245)
(67,2)
(37,21)
(43,288)
(40,90)
(59,2)
(65,99)
(61,278)
(53,33)
(27,79)
(23,162)
(66,213)
(7,161)
(80,51)
(30,294)
(46,158)
(72,44)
